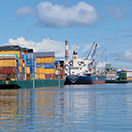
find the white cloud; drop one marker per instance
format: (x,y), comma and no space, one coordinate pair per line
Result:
(128,54)
(44,45)
(24,11)
(121,56)
(51,45)
(117,13)
(59,16)
(22,42)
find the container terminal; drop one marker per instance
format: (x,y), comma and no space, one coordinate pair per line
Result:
(23,68)
(117,75)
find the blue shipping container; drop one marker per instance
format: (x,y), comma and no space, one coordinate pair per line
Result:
(49,65)
(23,57)
(46,65)
(31,62)
(34,56)
(34,62)
(40,65)
(32,69)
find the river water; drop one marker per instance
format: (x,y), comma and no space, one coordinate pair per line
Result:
(75,108)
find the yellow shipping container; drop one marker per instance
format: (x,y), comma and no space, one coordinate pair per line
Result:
(38,60)
(25,76)
(1,63)
(27,69)
(49,71)
(9,63)
(11,52)
(39,70)
(49,60)
(40,76)
(21,62)
(45,60)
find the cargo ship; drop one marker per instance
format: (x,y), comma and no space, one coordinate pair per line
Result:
(83,70)
(119,76)
(116,75)
(23,68)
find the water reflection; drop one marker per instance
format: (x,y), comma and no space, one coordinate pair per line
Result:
(73,108)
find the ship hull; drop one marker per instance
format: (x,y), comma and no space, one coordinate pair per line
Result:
(31,84)
(94,79)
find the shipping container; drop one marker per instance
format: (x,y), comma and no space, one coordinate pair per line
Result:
(8,70)
(11,52)
(62,72)
(1,63)
(40,70)
(44,54)
(111,76)
(40,65)
(49,71)
(32,69)
(57,71)
(34,63)
(7,63)
(28,76)
(27,69)
(21,61)
(29,56)
(45,60)
(20,76)
(40,76)
(49,76)
(49,60)
(7,56)
(23,57)
(46,65)
(49,65)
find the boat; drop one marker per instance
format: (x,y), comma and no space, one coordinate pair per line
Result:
(9,84)
(115,75)
(83,70)
(22,68)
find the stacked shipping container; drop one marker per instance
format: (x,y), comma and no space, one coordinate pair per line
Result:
(60,69)
(45,65)
(18,63)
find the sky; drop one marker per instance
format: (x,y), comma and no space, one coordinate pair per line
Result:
(45,25)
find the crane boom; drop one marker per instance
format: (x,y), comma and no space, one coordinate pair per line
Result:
(90,50)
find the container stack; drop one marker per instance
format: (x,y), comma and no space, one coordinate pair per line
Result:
(17,63)
(45,65)
(8,68)
(30,65)
(60,69)
(11,62)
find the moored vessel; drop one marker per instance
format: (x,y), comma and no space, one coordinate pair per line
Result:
(22,68)
(83,70)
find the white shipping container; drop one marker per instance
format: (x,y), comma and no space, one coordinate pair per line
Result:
(111,76)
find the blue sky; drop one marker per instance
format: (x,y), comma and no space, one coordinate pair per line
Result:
(45,25)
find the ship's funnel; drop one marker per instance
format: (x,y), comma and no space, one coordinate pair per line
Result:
(66,50)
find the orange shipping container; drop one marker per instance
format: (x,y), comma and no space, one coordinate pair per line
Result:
(40,76)
(27,69)
(21,62)
(1,63)
(38,60)
(7,63)
(49,71)
(39,70)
